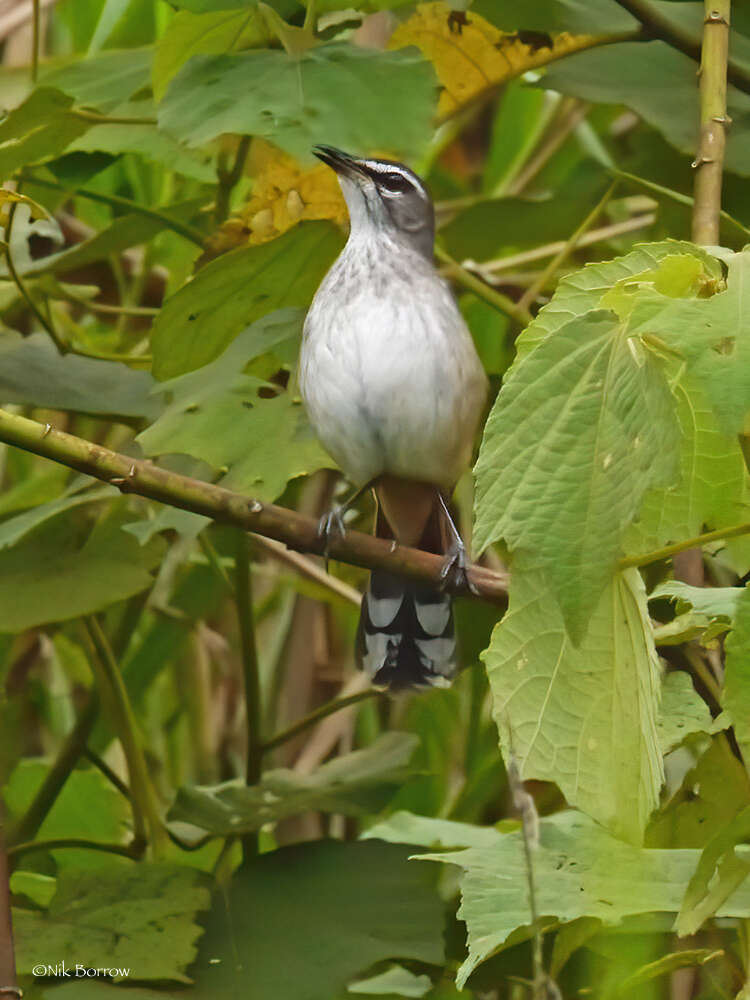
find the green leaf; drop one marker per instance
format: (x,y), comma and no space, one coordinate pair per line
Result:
(631,73)
(212,32)
(391,99)
(591,17)
(33,373)
(714,602)
(711,794)
(395,981)
(201,319)
(667,964)
(353,784)
(736,690)
(711,334)
(148,141)
(37,130)
(718,874)
(579,871)
(496,225)
(425,831)
(683,711)
(71,814)
(354,904)
(585,718)
(16,528)
(111,917)
(582,291)
(579,432)
(218,414)
(50,576)
(710,492)
(104,80)
(126,231)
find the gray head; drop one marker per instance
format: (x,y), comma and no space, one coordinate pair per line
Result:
(384,195)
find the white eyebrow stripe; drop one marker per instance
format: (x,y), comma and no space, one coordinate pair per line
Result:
(379,167)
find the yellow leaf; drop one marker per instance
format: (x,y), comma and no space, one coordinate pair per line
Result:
(470,54)
(283,194)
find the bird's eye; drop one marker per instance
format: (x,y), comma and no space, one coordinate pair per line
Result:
(395,182)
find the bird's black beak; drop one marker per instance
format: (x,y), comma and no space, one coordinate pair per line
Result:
(338,160)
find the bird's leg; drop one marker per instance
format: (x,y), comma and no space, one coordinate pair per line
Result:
(331,524)
(454,570)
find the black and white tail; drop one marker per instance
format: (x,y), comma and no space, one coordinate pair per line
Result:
(406,637)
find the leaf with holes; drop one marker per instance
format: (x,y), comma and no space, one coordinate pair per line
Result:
(200,320)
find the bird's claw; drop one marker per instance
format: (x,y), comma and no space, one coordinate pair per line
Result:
(454,573)
(330,526)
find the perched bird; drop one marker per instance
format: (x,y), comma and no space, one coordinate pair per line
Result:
(394,389)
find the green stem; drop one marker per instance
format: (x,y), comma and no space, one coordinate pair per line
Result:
(471,283)
(709,162)
(147,825)
(7,953)
(23,290)
(132,851)
(682,199)
(229,178)
(97,119)
(690,543)
(251,674)
(69,755)
(106,770)
(35,40)
(115,201)
(314,717)
(669,30)
(296,530)
(214,561)
(529,296)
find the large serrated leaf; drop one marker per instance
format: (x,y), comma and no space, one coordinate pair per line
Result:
(711,334)
(579,432)
(295,101)
(200,320)
(584,718)
(579,871)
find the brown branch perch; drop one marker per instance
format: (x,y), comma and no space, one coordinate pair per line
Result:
(296,531)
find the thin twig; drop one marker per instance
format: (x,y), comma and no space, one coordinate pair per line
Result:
(305,567)
(320,713)
(251,675)
(293,529)
(115,201)
(615,229)
(668,29)
(147,825)
(529,296)
(572,113)
(106,770)
(453,270)
(70,752)
(35,40)
(133,850)
(7,955)
(689,543)
(709,161)
(23,290)
(228,179)
(682,199)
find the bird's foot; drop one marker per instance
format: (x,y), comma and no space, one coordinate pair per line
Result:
(331,526)
(454,573)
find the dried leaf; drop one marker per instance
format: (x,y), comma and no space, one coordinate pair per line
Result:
(470,54)
(284,193)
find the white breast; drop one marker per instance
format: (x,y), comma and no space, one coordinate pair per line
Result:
(388,370)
